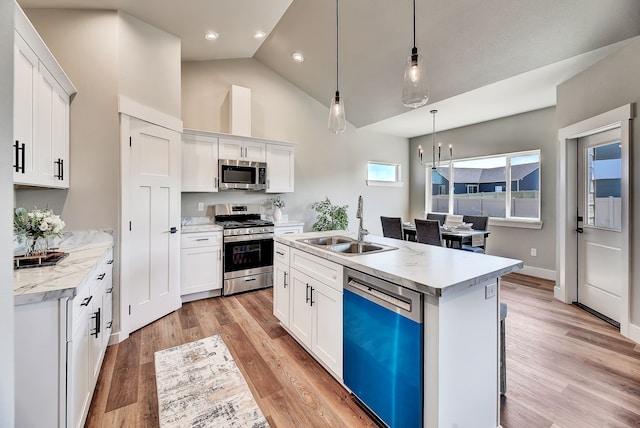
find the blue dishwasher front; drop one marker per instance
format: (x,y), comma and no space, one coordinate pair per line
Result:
(383,348)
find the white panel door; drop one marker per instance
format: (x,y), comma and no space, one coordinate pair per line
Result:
(155,206)
(599,223)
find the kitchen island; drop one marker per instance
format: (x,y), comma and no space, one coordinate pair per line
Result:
(460,315)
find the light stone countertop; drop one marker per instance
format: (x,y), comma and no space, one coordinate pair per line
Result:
(289,223)
(85,248)
(425,268)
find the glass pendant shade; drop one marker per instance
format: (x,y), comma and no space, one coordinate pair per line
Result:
(415,92)
(337,121)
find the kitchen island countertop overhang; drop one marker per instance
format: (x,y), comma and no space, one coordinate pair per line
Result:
(424,268)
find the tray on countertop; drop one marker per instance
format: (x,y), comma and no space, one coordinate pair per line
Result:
(50,258)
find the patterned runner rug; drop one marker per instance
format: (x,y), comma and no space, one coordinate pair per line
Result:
(200,386)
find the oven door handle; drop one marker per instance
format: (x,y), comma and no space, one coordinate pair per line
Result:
(242,238)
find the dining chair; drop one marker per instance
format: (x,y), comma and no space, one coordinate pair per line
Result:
(477,223)
(442,218)
(428,232)
(392,227)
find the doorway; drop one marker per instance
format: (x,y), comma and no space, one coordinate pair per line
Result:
(599,224)
(568,227)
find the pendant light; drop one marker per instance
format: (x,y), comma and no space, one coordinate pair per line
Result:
(435,161)
(415,92)
(337,121)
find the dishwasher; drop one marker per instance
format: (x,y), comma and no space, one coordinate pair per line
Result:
(383,348)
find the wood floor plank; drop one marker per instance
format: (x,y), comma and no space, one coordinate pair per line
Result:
(565,368)
(123,388)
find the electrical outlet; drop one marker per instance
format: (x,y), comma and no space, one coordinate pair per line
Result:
(534,252)
(490,291)
(200,206)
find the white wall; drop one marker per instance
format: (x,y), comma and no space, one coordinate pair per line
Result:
(611,83)
(325,164)
(527,131)
(6,233)
(149,65)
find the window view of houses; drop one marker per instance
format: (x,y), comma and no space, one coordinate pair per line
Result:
(483,187)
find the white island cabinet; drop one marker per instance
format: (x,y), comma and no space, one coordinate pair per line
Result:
(460,313)
(62,328)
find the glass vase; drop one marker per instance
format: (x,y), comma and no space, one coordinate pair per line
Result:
(35,246)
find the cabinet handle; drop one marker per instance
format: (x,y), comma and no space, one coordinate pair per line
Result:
(307,294)
(279,253)
(215,183)
(110,262)
(202,239)
(285,280)
(109,290)
(96,316)
(245,152)
(20,156)
(59,163)
(311,296)
(16,165)
(268,184)
(86,301)
(101,276)
(109,324)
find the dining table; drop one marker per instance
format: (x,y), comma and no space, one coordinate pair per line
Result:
(452,236)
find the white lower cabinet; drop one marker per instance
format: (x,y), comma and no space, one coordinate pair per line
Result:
(315,307)
(201,262)
(281,283)
(59,351)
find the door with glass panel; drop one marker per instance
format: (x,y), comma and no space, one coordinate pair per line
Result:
(600,223)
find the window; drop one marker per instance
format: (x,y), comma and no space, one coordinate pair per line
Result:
(383,174)
(503,186)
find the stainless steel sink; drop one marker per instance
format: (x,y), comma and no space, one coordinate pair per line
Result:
(357,247)
(346,246)
(326,240)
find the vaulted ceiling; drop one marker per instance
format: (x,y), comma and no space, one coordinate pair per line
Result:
(484,58)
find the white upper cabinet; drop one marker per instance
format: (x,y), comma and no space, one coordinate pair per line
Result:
(25,88)
(201,151)
(242,150)
(199,163)
(42,93)
(280,161)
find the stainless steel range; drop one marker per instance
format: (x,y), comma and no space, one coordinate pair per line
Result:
(247,248)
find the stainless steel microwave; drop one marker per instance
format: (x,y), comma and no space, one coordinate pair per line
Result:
(243,175)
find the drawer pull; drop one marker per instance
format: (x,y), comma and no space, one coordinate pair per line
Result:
(110,262)
(86,301)
(202,239)
(279,253)
(109,324)
(109,290)
(101,276)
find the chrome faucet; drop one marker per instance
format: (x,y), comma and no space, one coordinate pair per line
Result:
(361,231)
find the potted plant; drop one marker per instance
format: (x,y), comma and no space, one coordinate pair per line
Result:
(278,204)
(329,216)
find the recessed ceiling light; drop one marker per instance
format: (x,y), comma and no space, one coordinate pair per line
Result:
(259,35)
(297,57)
(211,35)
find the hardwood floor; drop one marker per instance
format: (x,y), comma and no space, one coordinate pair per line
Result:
(565,368)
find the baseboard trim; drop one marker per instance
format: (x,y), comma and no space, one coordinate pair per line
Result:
(634,332)
(539,272)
